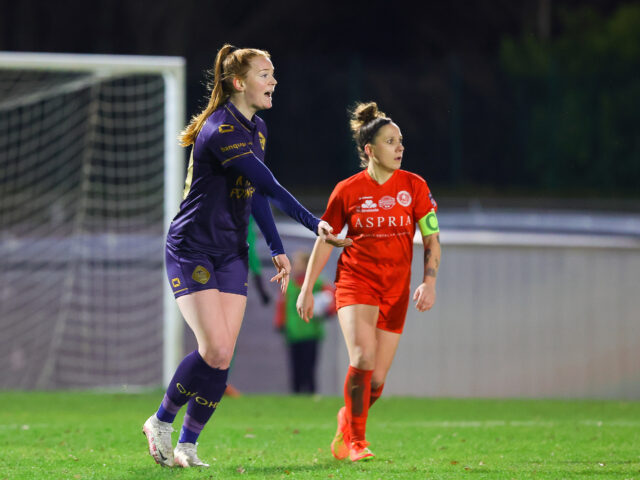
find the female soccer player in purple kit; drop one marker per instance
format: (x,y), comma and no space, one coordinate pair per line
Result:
(206,249)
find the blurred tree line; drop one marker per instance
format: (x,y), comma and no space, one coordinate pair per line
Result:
(493,97)
(550,109)
(576,97)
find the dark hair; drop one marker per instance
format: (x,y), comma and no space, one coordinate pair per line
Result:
(365,122)
(230,62)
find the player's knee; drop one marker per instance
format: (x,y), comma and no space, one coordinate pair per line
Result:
(217,357)
(363,358)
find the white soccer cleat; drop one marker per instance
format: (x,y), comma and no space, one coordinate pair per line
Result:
(185,456)
(159,437)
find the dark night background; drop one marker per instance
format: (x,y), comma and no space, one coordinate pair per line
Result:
(496,99)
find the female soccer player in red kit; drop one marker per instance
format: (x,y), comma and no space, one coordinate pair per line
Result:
(380,206)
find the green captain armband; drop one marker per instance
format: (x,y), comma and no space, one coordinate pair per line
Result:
(429,224)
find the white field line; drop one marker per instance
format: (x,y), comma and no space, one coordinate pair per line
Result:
(424,424)
(473,424)
(509,423)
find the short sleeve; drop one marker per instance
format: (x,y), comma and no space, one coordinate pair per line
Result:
(335,213)
(227,144)
(424,202)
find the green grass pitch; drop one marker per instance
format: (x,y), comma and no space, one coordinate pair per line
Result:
(85,435)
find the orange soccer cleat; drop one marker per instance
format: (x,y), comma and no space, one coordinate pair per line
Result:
(231,391)
(341,443)
(359,452)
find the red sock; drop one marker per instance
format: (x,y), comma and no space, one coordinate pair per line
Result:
(375,395)
(357,392)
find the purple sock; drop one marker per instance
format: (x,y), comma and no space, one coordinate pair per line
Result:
(202,406)
(192,375)
(168,410)
(190,430)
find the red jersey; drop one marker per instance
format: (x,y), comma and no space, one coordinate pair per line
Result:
(381,221)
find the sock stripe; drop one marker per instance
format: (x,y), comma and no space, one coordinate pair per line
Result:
(192,424)
(169,405)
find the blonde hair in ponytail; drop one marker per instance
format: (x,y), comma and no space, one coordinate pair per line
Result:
(230,62)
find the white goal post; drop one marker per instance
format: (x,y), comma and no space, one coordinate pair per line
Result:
(158,84)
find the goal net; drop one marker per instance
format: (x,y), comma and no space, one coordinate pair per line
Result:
(90,175)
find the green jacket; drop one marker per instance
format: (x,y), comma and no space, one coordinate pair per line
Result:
(289,322)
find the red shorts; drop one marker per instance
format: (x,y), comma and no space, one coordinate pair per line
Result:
(393,310)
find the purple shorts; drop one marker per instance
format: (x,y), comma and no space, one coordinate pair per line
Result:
(190,272)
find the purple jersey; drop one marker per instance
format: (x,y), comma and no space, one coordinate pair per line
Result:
(214,214)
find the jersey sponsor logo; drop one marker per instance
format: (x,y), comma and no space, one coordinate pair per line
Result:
(201,274)
(378,222)
(242,193)
(233,146)
(263,141)
(225,128)
(404,198)
(368,205)
(243,189)
(387,202)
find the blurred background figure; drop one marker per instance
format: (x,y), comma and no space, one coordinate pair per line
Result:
(302,338)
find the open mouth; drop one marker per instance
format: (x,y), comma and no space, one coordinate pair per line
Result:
(269,94)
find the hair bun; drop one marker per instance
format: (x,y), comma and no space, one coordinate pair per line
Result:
(364,113)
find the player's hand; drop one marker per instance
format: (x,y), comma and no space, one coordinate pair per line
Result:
(324,232)
(283,266)
(425,297)
(304,305)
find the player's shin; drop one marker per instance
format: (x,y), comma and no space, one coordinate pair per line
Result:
(203,404)
(184,385)
(357,394)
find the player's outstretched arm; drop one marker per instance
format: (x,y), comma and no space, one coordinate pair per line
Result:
(317,261)
(262,178)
